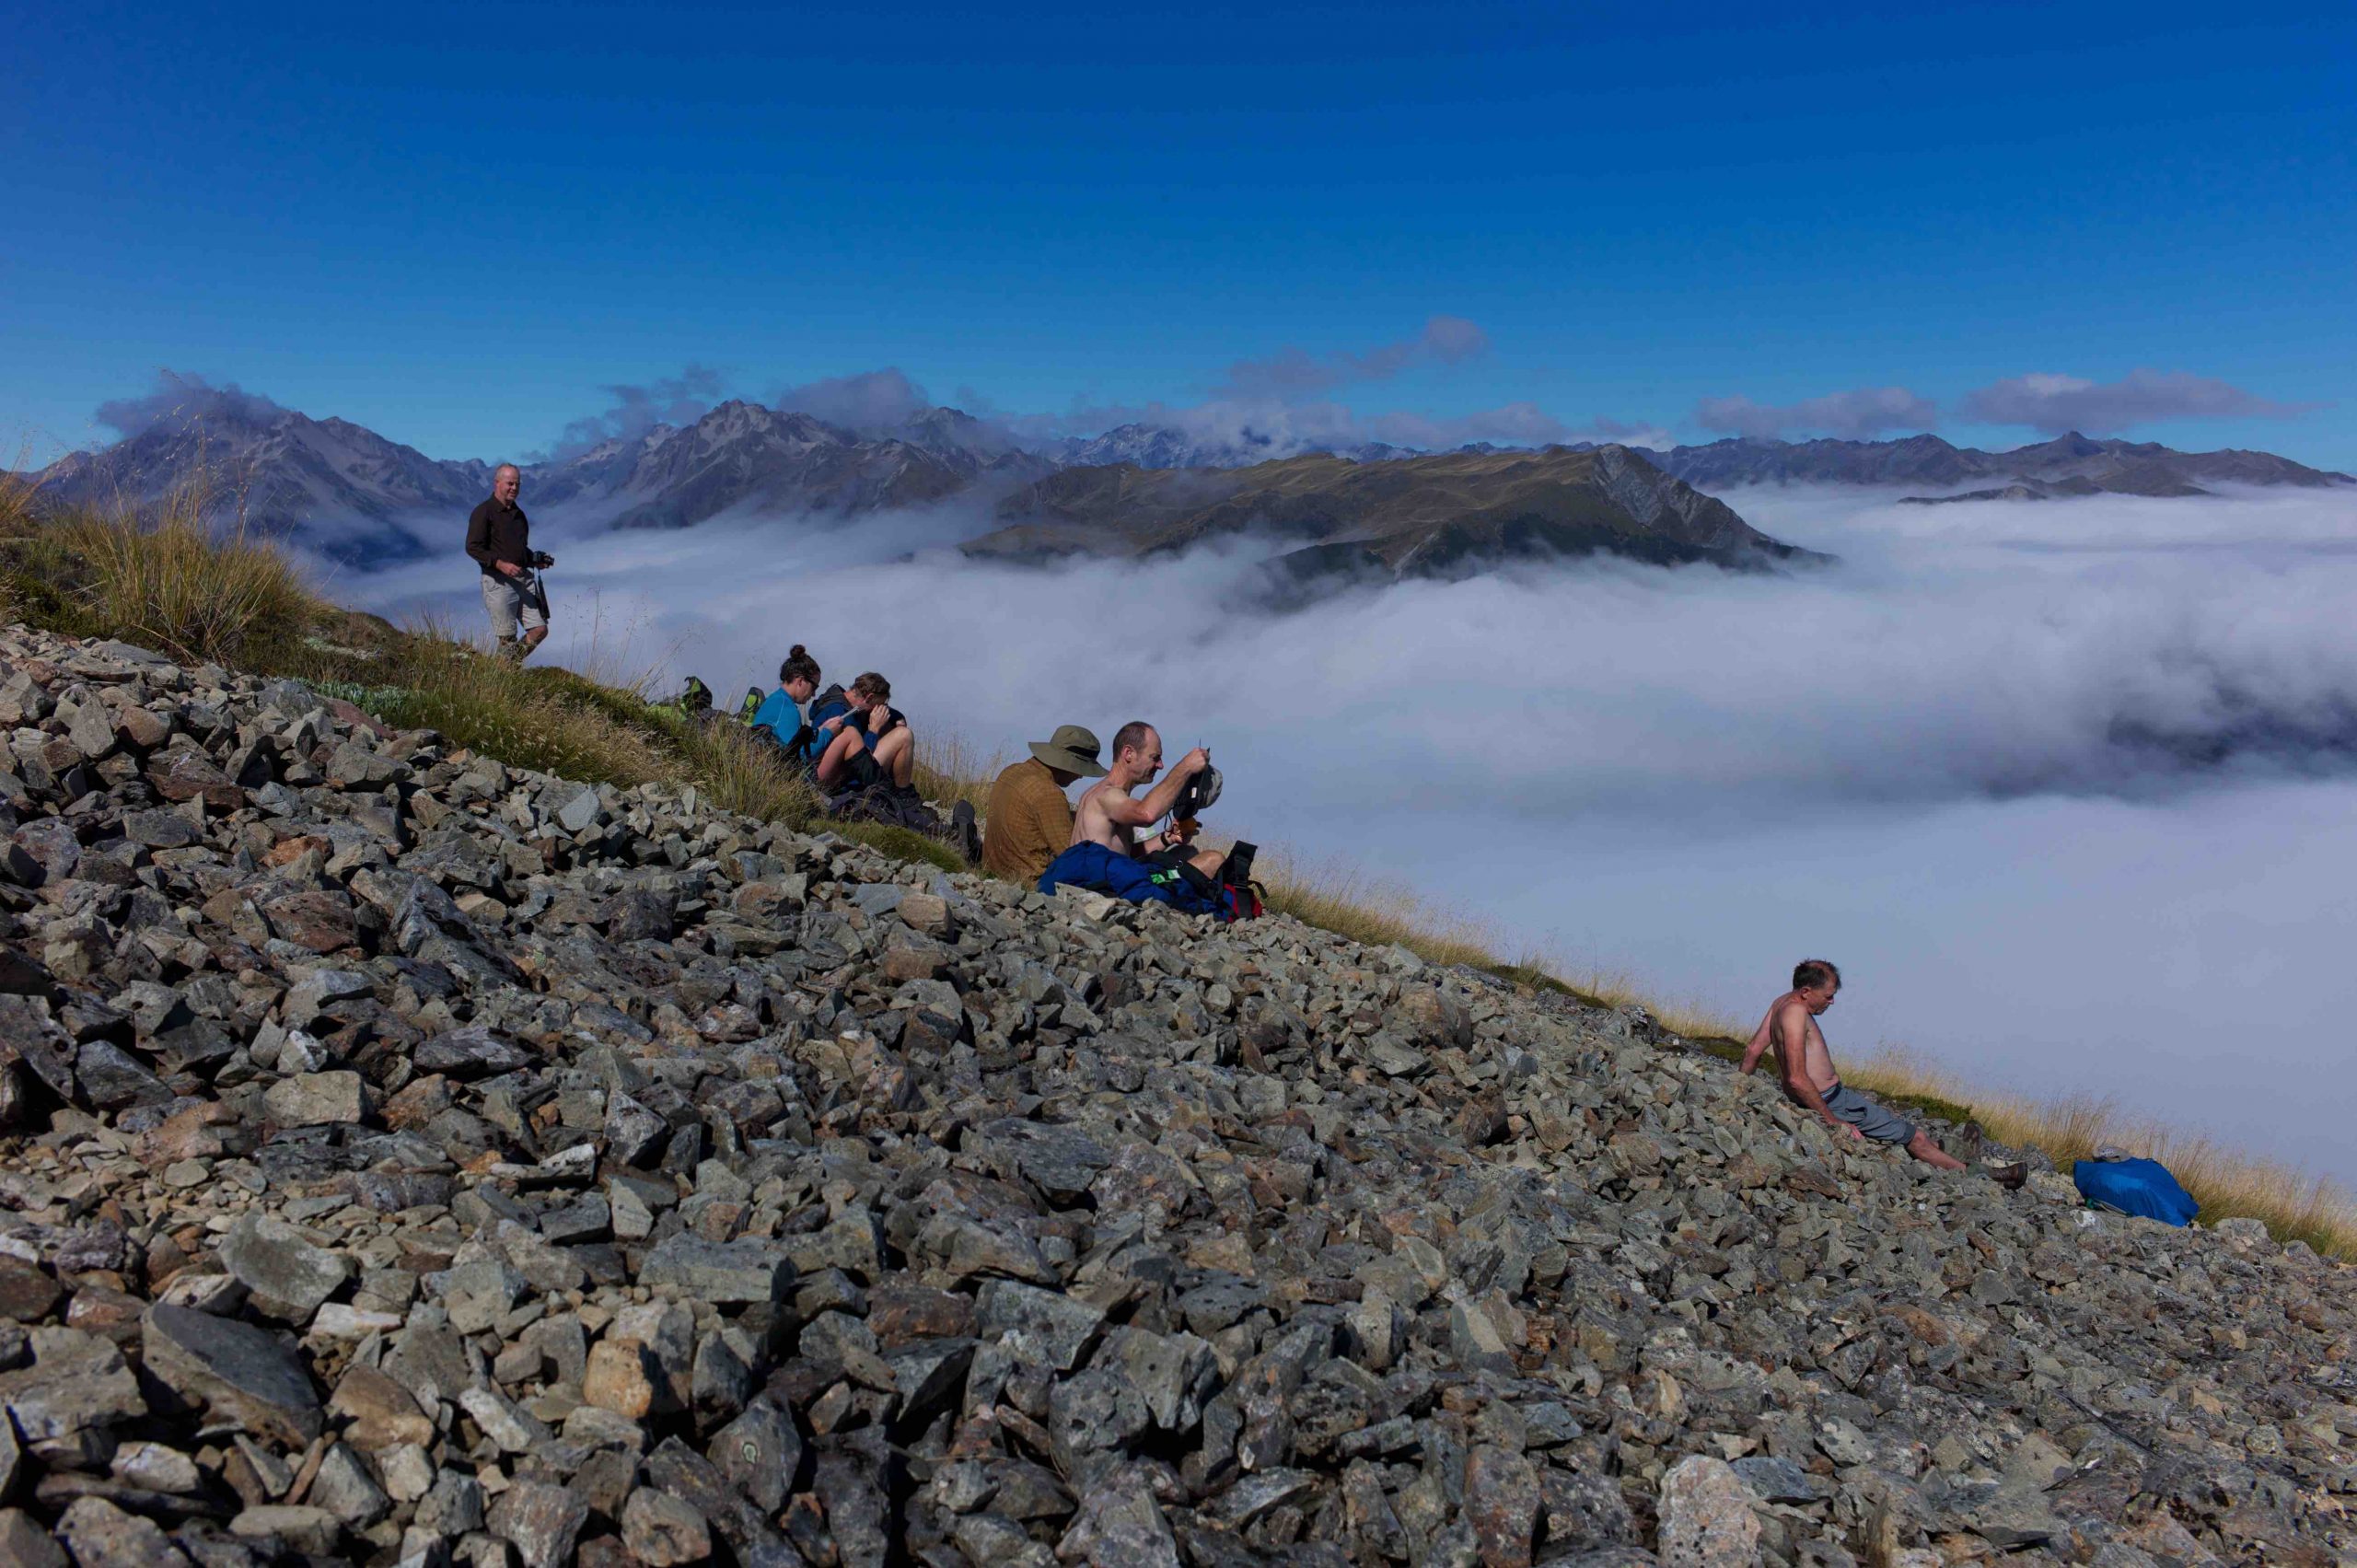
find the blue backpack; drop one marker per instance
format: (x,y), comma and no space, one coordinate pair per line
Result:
(1101,870)
(2135,1186)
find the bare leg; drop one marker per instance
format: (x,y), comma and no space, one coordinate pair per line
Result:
(836,763)
(1208,861)
(534,639)
(896,754)
(1924,1147)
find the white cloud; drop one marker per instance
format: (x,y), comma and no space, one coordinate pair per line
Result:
(868,403)
(2058,404)
(673,400)
(1860,414)
(181,398)
(2063,786)
(1294,372)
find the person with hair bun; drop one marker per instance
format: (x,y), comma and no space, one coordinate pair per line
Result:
(802,718)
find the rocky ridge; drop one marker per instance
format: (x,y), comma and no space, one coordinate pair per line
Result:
(405,1159)
(1443,516)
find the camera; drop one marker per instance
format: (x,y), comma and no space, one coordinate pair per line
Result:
(540,558)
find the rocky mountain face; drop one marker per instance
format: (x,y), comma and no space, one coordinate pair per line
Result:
(352,493)
(2068,465)
(336,481)
(1442,516)
(742,457)
(406,1158)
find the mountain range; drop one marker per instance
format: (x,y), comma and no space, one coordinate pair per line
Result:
(2067,465)
(343,489)
(1443,514)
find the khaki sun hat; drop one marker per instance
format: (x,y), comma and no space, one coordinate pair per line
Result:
(1070,749)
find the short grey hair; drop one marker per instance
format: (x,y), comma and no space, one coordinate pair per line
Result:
(508,468)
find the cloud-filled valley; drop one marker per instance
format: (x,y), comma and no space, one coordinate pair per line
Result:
(2091,720)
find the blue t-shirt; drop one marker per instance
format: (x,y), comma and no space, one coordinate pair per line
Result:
(778,715)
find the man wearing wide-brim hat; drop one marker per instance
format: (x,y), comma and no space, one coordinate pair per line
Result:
(1030,820)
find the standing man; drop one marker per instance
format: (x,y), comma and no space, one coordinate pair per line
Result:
(1031,820)
(499,538)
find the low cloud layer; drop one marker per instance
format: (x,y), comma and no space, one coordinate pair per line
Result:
(1862,415)
(181,398)
(2079,720)
(2054,404)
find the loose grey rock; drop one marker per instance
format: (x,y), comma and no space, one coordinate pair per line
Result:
(675,1172)
(1706,1519)
(237,1372)
(286,1277)
(539,1521)
(661,1532)
(313,1099)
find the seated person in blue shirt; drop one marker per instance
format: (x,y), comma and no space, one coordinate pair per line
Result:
(801,717)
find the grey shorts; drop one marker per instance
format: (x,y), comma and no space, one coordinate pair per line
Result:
(512,601)
(1867,1116)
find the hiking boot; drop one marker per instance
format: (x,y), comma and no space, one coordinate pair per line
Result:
(2011,1177)
(1970,1143)
(968,838)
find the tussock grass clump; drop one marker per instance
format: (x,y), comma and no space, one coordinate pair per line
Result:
(168,578)
(951,768)
(528,718)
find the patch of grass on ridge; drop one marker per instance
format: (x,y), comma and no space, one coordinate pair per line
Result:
(175,579)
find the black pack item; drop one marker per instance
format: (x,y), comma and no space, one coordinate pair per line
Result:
(1197,794)
(694,697)
(754,697)
(1240,898)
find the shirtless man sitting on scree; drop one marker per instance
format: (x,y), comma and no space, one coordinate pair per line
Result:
(1111,816)
(1790,1026)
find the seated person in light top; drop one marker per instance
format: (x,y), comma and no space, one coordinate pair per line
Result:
(869,744)
(1790,1026)
(1112,816)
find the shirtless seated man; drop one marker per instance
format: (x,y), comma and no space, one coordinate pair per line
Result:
(1791,1027)
(1112,816)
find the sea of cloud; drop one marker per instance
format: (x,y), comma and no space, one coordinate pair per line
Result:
(2065,787)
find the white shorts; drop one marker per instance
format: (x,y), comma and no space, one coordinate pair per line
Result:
(512,600)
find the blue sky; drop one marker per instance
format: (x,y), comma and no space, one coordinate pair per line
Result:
(457,224)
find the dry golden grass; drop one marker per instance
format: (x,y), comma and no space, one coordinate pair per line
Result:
(1342,899)
(171,577)
(951,768)
(2227,1181)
